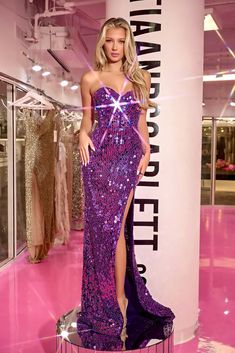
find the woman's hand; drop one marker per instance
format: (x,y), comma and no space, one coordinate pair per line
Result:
(143,164)
(84,142)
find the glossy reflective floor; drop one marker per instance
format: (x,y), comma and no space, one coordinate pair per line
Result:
(217,284)
(33,297)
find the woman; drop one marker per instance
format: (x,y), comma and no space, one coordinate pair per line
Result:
(116,306)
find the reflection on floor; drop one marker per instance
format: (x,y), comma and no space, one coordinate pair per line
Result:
(217,284)
(33,297)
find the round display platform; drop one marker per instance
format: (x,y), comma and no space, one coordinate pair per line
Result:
(68,340)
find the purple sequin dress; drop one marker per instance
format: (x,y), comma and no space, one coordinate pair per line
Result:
(108,179)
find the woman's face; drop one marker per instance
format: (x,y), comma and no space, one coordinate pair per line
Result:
(114,44)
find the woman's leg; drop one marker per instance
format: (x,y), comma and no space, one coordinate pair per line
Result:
(120,259)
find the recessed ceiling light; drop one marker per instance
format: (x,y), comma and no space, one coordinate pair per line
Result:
(64,83)
(36,67)
(46,73)
(74,86)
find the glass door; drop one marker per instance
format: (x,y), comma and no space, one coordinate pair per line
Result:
(225,162)
(6,178)
(218,161)
(206,162)
(20,173)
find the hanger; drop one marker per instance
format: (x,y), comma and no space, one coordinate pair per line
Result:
(70,116)
(18,111)
(33,100)
(5,106)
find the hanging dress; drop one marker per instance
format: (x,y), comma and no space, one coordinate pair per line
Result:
(61,198)
(78,198)
(35,235)
(40,156)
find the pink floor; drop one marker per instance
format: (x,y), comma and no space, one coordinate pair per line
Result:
(32,297)
(216,333)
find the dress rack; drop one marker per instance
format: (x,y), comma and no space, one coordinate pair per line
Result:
(27,87)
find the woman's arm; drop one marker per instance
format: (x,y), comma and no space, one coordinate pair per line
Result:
(144,134)
(86,123)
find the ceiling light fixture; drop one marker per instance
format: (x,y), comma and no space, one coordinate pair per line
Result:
(74,86)
(209,23)
(46,73)
(229,77)
(64,83)
(36,67)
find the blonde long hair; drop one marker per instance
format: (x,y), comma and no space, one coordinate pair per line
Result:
(130,65)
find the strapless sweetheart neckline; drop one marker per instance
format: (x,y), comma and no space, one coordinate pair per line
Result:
(112,89)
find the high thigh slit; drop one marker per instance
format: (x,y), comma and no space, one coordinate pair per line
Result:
(123,226)
(108,179)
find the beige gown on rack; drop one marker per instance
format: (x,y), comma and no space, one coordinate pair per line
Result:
(61,198)
(67,137)
(40,156)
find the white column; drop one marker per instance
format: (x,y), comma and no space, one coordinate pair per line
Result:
(172,181)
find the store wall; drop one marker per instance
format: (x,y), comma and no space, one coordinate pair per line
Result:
(15,21)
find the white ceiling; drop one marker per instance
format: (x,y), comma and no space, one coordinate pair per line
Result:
(83,28)
(218,47)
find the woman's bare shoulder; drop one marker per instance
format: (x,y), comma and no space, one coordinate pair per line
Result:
(146,74)
(89,77)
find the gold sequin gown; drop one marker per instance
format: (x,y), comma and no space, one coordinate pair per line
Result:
(78,192)
(40,157)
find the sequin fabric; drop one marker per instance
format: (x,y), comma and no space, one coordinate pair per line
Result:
(67,138)
(45,172)
(32,145)
(78,192)
(40,156)
(108,180)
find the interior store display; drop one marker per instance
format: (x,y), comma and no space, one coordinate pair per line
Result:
(49,140)
(40,154)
